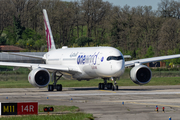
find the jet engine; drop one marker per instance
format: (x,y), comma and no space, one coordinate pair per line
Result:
(140,74)
(39,77)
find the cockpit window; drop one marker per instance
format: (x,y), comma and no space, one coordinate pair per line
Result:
(114,58)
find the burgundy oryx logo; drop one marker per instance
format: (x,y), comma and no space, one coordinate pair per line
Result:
(48,37)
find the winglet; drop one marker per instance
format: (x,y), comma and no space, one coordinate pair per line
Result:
(49,37)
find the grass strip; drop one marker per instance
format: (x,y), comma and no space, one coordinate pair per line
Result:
(92,83)
(71,116)
(59,108)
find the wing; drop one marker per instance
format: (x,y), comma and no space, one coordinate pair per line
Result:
(126,56)
(62,68)
(153,59)
(25,55)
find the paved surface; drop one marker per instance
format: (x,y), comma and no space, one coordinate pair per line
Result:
(139,101)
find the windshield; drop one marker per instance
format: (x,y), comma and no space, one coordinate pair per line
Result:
(114,58)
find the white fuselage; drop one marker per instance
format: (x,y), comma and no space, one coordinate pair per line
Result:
(93,62)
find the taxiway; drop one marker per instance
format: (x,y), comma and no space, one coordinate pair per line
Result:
(139,101)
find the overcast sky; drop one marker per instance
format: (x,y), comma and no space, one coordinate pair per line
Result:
(134,3)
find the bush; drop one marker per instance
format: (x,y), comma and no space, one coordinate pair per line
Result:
(29,33)
(3,40)
(166,69)
(82,41)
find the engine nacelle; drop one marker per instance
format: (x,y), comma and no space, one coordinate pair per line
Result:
(140,74)
(39,77)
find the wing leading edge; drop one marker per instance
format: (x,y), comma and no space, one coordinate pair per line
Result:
(153,59)
(45,66)
(25,55)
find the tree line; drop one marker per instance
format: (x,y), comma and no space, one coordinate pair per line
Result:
(139,31)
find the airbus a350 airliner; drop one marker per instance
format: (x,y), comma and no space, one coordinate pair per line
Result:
(84,63)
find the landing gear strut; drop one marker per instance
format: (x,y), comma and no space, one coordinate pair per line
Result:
(114,87)
(58,87)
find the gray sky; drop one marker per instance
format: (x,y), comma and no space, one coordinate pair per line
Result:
(134,3)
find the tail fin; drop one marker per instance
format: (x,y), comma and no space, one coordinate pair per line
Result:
(49,37)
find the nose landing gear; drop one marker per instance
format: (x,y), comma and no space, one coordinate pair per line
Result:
(115,86)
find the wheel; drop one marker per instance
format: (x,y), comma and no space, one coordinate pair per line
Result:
(100,86)
(116,87)
(59,87)
(50,87)
(109,86)
(112,87)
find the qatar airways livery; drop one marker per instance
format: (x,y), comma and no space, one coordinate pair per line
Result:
(84,63)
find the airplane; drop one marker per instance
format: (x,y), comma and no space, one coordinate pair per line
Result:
(84,63)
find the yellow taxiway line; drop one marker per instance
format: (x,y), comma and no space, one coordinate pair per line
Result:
(107,91)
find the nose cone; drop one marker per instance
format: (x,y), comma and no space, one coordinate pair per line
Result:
(118,68)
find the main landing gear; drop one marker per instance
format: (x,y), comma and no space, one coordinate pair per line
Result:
(109,86)
(58,87)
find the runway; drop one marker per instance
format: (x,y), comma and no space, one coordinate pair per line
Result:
(139,101)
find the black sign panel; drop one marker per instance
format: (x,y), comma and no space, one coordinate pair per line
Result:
(8,108)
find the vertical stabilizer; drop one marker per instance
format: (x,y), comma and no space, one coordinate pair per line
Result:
(49,37)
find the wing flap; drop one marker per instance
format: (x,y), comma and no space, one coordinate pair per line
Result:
(153,59)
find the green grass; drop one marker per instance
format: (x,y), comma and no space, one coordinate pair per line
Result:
(165,81)
(14,81)
(71,116)
(18,79)
(23,83)
(154,81)
(121,82)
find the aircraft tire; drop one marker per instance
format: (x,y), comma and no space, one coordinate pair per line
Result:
(100,86)
(109,86)
(59,87)
(112,87)
(116,87)
(50,87)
